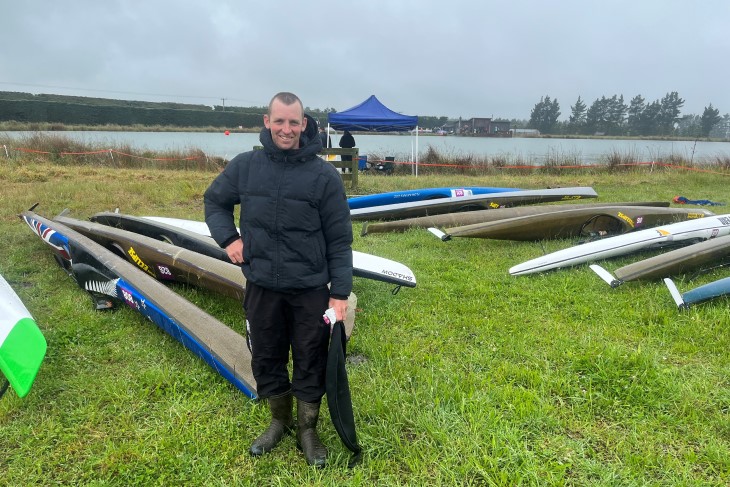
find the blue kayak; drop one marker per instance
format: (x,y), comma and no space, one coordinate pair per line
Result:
(408,196)
(709,291)
(112,280)
(713,290)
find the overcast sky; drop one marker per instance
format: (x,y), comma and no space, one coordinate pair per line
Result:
(454,58)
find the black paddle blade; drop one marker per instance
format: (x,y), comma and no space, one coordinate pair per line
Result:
(339,400)
(98,284)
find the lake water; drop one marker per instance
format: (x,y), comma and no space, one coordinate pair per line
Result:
(526,150)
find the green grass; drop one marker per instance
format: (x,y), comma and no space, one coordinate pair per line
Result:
(474,377)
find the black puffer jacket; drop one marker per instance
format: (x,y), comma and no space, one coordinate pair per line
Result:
(295,220)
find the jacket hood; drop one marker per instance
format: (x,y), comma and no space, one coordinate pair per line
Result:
(312,130)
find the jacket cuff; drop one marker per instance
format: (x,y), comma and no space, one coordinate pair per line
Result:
(339,296)
(228,242)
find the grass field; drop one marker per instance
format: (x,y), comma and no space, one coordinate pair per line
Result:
(474,377)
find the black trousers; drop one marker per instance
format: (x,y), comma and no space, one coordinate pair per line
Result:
(278,322)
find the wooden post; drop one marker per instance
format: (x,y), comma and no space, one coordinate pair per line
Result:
(353,166)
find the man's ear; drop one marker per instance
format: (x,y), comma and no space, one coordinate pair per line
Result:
(266,121)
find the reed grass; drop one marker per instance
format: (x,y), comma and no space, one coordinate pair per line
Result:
(474,377)
(39,147)
(55,147)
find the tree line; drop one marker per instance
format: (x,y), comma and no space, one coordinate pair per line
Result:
(607,116)
(78,110)
(612,116)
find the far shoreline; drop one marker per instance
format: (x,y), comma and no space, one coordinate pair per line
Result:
(12,126)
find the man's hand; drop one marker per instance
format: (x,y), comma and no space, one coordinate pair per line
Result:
(340,307)
(235,251)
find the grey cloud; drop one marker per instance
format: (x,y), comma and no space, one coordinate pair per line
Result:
(458,58)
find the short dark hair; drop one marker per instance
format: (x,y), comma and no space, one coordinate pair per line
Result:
(287,99)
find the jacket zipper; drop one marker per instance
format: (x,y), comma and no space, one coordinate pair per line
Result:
(277,238)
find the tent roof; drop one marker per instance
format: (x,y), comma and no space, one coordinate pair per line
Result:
(371,115)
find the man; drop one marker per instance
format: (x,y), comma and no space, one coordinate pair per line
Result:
(326,139)
(347,141)
(296,237)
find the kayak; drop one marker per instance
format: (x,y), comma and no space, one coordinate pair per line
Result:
(22,345)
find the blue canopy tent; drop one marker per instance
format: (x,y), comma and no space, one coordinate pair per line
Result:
(372,116)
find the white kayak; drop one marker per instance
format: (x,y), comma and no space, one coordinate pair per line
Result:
(471,203)
(676,233)
(22,345)
(364,265)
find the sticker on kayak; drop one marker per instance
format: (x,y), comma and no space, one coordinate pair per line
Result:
(165,272)
(455,193)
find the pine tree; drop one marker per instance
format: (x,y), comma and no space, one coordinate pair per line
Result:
(635,112)
(544,116)
(577,120)
(710,118)
(670,108)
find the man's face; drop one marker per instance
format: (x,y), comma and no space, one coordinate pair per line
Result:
(286,123)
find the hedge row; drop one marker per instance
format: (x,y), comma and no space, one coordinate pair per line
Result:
(84,114)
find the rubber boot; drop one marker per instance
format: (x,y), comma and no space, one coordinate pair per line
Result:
(282,423)
(307,439)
